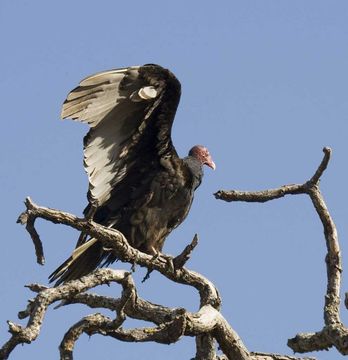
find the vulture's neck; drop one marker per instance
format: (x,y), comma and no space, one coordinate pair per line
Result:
(196,169)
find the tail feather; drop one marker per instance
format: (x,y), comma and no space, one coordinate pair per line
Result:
(82,261)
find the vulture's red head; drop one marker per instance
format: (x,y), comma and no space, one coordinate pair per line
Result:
(201,153)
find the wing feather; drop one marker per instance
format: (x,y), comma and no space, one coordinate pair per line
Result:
(120,105)
(80,92)
(105,76)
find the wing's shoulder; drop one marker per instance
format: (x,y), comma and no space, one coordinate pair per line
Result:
(160,77)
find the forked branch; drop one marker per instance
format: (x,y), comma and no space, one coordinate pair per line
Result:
(170,324)
(334,333)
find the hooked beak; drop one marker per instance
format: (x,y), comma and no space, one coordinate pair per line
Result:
(209,162)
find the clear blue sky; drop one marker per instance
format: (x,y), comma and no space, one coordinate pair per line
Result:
(265,87)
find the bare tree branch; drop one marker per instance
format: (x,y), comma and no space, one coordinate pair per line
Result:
(115,240)
(272,194)
(259,196)
(177,322)
(207,325)
(265,356)
(38,307)
(334,332)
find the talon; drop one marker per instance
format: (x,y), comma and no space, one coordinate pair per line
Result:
(169,261)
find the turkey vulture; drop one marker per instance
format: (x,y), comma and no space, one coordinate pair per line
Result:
(137,183)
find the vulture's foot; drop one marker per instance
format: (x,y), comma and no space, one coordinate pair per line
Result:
(164,258)
(168,260)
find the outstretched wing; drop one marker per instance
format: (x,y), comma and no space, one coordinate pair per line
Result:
(130,112)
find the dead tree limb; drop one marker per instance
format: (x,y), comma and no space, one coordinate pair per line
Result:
(171,323)
(334,333)
(207,325)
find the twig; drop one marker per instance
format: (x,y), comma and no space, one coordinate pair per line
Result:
(322,167)
(182,258)
(28,221)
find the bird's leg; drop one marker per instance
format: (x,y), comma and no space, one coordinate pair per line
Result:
(88,217)
(151,251)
